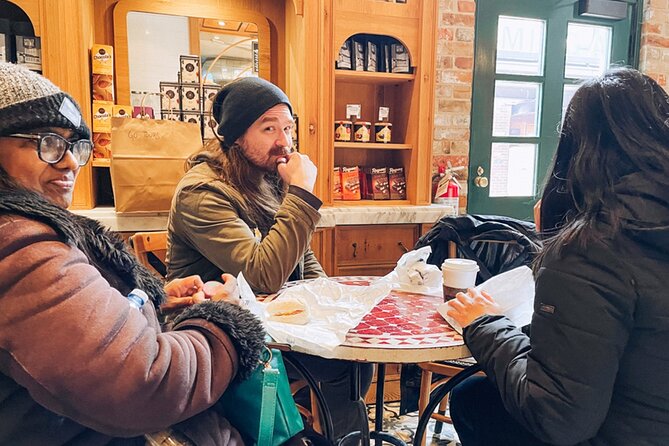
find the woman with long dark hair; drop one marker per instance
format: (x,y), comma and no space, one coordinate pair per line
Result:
(593,371)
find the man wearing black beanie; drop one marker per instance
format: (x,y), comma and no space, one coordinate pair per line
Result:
(246,205)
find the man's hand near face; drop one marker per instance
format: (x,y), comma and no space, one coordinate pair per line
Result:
(298,170)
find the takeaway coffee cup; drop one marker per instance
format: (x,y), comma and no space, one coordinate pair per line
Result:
(459,274)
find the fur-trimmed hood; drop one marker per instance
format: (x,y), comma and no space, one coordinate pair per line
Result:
(104,249)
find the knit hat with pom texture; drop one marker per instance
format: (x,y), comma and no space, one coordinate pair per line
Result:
(29,101)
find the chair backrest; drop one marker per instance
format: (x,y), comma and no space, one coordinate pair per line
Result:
(151,249)
(496,243)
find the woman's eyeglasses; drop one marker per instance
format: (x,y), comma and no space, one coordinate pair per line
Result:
(51,147)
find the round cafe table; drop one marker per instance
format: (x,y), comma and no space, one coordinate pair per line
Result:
(403,328)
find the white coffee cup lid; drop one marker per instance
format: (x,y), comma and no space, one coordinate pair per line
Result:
(460,264)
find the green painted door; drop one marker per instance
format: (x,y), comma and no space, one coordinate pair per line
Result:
(530,57)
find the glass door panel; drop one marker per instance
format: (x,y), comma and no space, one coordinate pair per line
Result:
(529,57)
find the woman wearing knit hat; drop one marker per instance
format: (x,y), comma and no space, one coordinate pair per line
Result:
(247,205)
(78,363)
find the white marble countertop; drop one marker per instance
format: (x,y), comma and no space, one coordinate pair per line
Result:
(331,216)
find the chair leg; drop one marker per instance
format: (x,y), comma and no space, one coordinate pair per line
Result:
(424,395)
(315,413)
(438,424)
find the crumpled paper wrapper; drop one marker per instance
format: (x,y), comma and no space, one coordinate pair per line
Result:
(412,274)
(334,309)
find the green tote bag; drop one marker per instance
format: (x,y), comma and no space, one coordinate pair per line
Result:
(262,407)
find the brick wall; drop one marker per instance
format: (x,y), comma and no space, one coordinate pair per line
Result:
(455,61)
(654,56)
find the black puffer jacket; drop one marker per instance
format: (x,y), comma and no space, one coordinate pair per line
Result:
(596,370)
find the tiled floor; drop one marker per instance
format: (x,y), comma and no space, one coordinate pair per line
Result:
(404,426)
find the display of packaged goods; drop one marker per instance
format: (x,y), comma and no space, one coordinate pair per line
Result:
(103,87)
(29,52)
(350,181)
(102,59)
(102,114)
(397,183)
(190,98)
(189,71)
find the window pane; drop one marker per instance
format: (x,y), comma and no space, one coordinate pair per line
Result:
(516,109)
(520,46)
(567,94)
(588,50)
(512,170)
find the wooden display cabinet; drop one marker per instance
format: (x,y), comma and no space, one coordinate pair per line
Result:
(409,96)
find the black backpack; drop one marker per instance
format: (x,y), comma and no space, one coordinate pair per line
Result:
(497,243)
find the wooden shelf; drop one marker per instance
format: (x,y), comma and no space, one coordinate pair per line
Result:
(346,203)
(101,162)
(371,145)
(371,77)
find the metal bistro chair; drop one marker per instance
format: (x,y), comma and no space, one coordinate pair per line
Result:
(497,244)
(151,250)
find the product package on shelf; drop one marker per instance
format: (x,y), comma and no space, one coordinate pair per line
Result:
(371,52)
(4,50)
(170,115)
(358,54)
(121,111)
(362,131)
(102,114)
(102,72)
(383,131)
(208,93)
(141,111)
(102,145)
(342,130)
(170,100)
(190,98)
(344,59)
(189,72)
(29,52)
(102,59)
(397,183)
(194,117)
(400,59)
(208,126)
(336,184)
(350,180)
(103,87)
(377,183)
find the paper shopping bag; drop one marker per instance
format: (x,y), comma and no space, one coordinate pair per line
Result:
(148,161)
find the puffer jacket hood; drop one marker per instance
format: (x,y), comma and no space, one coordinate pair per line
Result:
(645,215)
